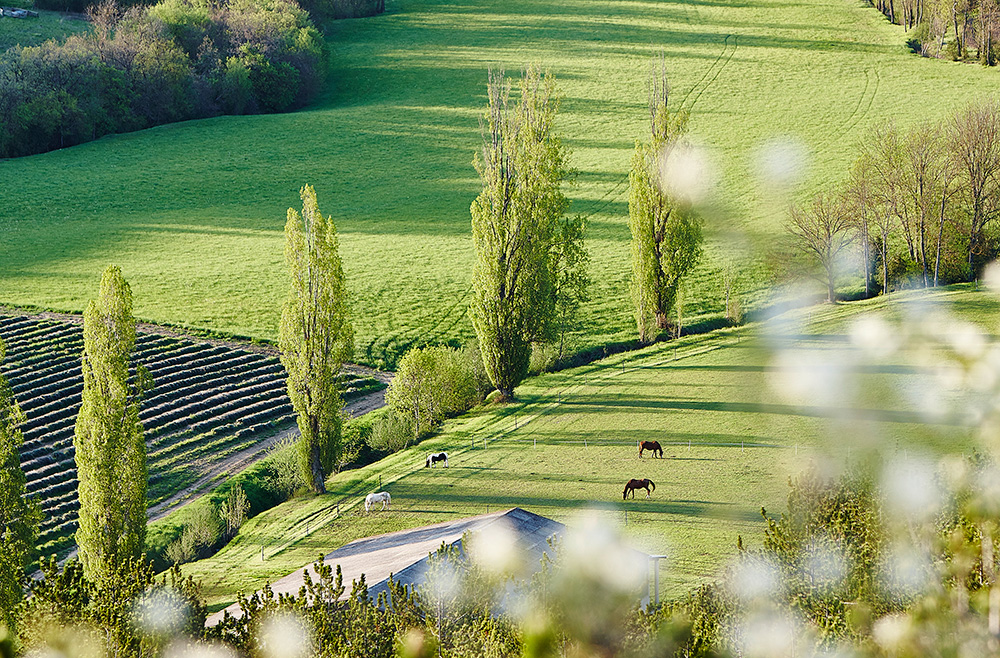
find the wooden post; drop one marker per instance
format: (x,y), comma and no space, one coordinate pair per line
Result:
(262,552)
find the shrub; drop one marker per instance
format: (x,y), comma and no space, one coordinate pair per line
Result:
(432,383)
(391,433)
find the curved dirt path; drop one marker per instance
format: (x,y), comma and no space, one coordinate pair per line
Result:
(245,458)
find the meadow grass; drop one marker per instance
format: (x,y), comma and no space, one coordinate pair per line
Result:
(33,31)
(194,211)
(732,429)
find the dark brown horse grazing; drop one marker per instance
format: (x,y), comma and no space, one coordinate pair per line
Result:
(632,485)
(652,446)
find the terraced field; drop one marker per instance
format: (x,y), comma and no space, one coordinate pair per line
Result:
(211,404)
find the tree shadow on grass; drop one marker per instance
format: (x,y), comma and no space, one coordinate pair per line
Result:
(599,404)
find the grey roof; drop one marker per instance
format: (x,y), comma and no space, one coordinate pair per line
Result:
(404,554)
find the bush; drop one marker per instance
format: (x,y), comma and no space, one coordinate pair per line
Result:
(431,384)
(391,433)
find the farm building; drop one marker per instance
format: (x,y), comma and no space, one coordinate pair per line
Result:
(405,554)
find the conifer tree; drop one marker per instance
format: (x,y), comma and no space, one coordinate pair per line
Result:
(110,450)
(316,337)
(18,516)
(515,226)
(666,234)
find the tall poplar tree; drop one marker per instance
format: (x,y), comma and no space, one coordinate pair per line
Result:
(110,450)
(666,233)
(515,225)
(316,337)
(18,516)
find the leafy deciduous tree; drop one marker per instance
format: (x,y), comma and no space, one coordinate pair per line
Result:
(110,450)
(823,230)
(514,225)
(666,233)
(18,516)
(316,337)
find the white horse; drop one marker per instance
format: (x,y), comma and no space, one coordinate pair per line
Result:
(436,457)
(375,498)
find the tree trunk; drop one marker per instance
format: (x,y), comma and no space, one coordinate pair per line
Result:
(885,263)
(318,485)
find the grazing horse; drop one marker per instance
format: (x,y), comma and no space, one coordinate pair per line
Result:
(632,485)
(652,446)
(436,457)
(373,499)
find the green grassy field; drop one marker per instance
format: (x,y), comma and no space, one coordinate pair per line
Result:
(33,31)
(193,212)
(731,441)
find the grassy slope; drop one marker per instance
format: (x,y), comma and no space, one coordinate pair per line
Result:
(194,211)
(717,397)
(33,31)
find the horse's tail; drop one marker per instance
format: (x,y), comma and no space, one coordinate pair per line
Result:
(652,485)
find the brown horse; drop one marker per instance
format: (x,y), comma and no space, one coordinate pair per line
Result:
(652,446)
(632,485)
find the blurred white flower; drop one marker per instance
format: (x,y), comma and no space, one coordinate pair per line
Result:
(907,570)
(874,337)
(782,161)
(889,631)
(160,612)
(825,562)
(911,489)
(594,548)
(686,172)
(991,276)
(754,578)
(494,548)
(199,650)
(812,378)
(284,636)
(768,636)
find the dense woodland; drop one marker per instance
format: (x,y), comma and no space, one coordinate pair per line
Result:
(145,66)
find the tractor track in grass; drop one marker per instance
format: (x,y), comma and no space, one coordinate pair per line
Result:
(714,70)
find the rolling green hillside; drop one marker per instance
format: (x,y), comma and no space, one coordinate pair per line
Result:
(193,212)
(734,420)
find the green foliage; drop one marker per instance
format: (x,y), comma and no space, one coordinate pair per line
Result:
(515,225)
(358,627)
(316,337)
(130,614)
(830,548)
(234,510)
(110,450)
(432,383)
(666,234)
(180,59)
(19,516)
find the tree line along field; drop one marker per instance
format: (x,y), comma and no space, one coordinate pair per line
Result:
(728,416)
(193,211)
(209,404)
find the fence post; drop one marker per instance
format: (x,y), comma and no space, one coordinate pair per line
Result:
(534,442)
(262,552)
(741,446)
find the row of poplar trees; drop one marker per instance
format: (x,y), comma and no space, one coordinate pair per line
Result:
(315,340)
(530,272)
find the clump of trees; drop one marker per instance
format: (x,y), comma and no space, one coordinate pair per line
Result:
(960,30)
(433,383)
(145,66)
(666,232)
(315,337)
(529,275)
(920,206)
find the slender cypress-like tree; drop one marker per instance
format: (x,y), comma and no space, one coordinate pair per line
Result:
(316,337)
(515,226)
(18,516)
(110,450)
(666,233)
